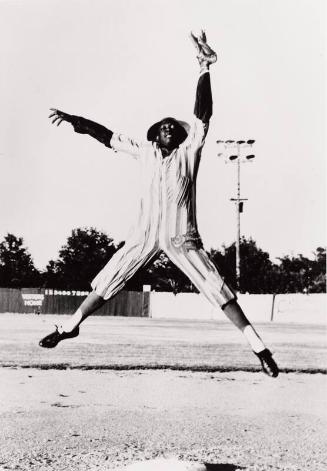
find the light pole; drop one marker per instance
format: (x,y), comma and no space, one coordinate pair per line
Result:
(233,153)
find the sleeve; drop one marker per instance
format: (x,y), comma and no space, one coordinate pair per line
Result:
(125,144)
(203,99)
(85,126)
(202,115)
(117,142)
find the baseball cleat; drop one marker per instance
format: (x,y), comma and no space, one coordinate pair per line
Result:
(268,364)
(52,340)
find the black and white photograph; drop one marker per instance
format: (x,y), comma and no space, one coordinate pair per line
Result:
(163,235)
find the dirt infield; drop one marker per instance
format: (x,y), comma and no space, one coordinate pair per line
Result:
(87,420)
(88,416)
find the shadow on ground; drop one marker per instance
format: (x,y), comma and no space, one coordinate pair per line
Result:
(222,467)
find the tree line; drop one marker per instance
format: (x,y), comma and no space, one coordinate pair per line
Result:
(87,250)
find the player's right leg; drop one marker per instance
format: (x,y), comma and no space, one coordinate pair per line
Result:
(120,268)
(70,328)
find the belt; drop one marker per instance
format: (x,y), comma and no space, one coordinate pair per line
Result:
(190,241)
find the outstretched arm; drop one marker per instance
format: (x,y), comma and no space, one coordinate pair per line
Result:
(83,126)
(206,56)
(117,142)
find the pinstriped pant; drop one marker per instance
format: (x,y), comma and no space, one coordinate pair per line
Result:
(194,262)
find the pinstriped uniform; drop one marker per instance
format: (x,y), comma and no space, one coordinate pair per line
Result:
(166,218)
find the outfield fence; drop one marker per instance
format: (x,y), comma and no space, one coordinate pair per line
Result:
(302,308)
(47,301)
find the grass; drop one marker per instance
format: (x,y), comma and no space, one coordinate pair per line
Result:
(140,343)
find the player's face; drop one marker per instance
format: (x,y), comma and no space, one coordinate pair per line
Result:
(168,135)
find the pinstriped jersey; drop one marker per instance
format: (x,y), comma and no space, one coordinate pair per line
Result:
(167,207)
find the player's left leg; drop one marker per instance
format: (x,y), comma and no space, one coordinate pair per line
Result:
(196,264)
(236,315)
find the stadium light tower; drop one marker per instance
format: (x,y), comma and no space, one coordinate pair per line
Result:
(233,151)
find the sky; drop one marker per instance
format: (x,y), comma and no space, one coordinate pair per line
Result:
(128,64)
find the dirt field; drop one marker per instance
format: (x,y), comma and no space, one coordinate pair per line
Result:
(82,407)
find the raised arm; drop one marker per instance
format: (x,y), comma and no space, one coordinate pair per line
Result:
(203,102)
(206,56)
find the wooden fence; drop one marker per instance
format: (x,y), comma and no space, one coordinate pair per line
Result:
(44,301)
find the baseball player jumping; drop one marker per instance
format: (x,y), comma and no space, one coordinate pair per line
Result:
(169,163)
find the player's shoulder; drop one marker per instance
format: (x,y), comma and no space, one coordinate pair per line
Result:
(198,131)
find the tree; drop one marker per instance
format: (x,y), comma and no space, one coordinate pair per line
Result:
(166,276)
(16,265)
(300,274)
(255,266)
(84,255)
(293,274)
(318,281)
(162,275)
(88,250)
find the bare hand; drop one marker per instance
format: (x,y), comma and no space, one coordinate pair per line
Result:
(205,54)
(59,116)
